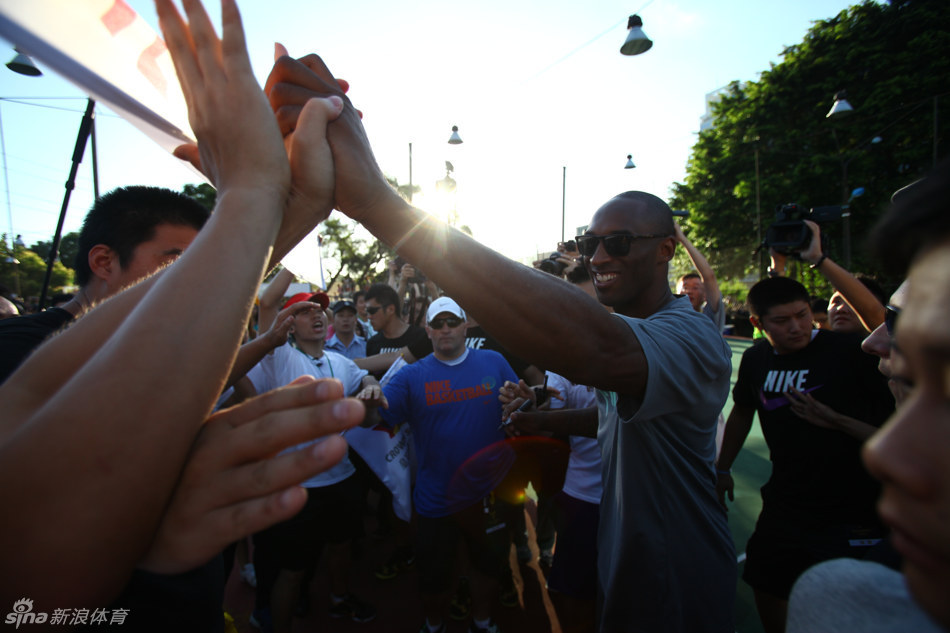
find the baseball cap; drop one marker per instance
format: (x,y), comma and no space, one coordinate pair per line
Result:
(444,304)
(316,297)
(343,304)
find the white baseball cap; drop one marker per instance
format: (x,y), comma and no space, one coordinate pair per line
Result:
(444,304)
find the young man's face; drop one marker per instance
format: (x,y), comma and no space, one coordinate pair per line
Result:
(168,243)
(841,317)
(310,325)
(379,316)
(694,289)
(910,454)
(787,326)
(448,342)
(344,321)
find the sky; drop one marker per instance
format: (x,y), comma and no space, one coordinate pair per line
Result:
(547,107)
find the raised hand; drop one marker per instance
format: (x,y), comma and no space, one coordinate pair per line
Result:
(233,485)
(215,75)
(360,184)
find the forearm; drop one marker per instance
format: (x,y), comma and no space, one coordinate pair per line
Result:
(862,300)
(737,429)
(706,274)
(377,363)
(853,427)
(559,310)
(271,297)
(249,355)
(134,434)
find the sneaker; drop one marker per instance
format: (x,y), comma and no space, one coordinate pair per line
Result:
(491,628)
(524,553)
(507,592)
(425,628)
(400,561)
(461,605)
(353,608)
(260,619)
(248,575)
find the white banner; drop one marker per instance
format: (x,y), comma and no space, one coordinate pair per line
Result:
(108,51)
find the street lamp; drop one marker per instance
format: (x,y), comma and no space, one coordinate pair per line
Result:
(637,42)
(21,63)
(840,108)
(629,164)
(455,139)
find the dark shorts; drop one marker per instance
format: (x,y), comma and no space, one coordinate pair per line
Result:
(328,517)
(437,543)
(574,571)
(779,551)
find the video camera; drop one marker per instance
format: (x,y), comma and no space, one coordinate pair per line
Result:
(789,234)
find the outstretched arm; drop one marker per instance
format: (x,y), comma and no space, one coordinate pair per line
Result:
(862,300)
(737,429)
(706,274)
(606,354)
(120,428)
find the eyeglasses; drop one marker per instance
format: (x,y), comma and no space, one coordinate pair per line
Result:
(438,322)
(616,244)
(890,319)
(373,309)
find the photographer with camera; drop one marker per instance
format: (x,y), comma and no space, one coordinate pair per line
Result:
(414,290)
(851,294)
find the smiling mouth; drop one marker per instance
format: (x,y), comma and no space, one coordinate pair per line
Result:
(603,278)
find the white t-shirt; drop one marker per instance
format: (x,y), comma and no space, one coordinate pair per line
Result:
(583,478)
(284,365)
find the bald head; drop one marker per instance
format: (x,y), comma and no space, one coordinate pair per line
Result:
(653,215)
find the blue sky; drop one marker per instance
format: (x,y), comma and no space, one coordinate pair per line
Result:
(529,89)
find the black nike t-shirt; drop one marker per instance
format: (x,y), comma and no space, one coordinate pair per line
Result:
(815,470)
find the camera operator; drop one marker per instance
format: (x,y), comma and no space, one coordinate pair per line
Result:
(414,289)
(866,306)
(561,262)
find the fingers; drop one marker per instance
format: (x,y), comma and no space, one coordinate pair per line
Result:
(206,43)
(280,51)
(305,391)
(233,41)
(180,45)
(265,477)
(189,153)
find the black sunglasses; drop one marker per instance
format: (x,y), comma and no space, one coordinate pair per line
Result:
(438,322)
(890,319)
(616,244)
(374,309)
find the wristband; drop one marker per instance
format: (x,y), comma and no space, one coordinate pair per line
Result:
(724,472)
(820,261)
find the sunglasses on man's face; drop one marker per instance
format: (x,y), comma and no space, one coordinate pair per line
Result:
(438,322)
(616,244)
(890,319)
(373,309)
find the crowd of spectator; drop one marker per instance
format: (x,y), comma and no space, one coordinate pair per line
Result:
(185,446)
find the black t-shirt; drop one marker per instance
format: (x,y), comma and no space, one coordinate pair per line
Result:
(379,344)
(21,335)
(816,472)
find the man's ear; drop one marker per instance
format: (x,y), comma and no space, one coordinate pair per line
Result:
(667,249)
(103,262)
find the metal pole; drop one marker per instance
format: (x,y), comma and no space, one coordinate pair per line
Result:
(563,197)
(95,161)
(758,216)
(85,127)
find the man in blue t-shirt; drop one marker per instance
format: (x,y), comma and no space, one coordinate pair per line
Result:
(450,399)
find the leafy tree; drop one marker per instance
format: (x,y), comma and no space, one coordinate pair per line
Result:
(204,193)
(358,259)
(893,60)
(28,274)
(68,247)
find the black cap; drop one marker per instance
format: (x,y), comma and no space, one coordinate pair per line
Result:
(342,304)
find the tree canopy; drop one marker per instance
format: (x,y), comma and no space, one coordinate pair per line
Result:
(893,60)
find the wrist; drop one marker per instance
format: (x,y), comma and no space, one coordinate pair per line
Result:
(817,263)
